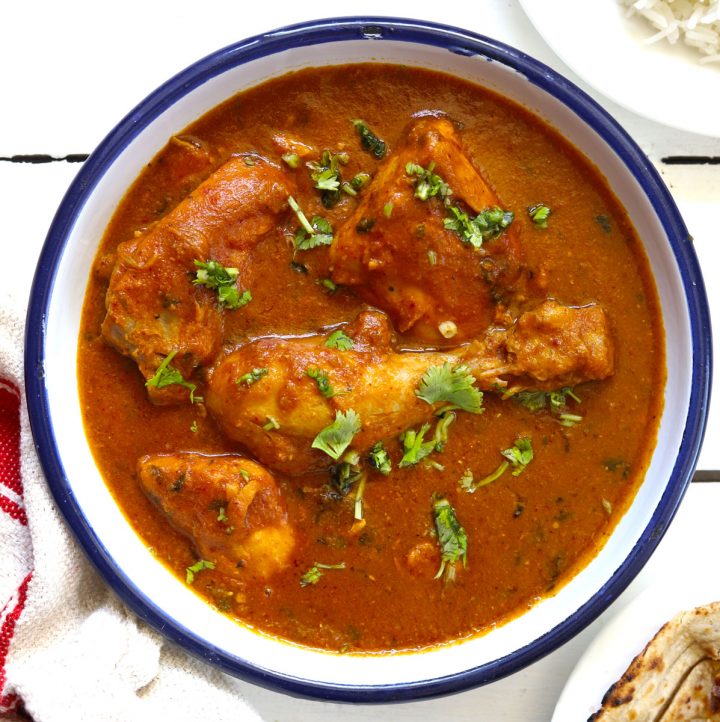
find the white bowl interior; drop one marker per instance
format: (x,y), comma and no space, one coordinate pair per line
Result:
(169,594)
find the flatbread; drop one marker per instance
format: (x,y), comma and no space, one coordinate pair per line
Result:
(676,678)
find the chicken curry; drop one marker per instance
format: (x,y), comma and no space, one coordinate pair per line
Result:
(375,367)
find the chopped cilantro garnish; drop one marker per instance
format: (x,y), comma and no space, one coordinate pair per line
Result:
(360,180)
(388,209)
(222,516)
(486,225)
(452,384)
(327,177)
(441,430)
(415,447)
(452,538)
(347,472)
(166,375)
(252,377)
(338,340)
(365,225)
(369,141)
(271,424)
(322,380)
(312,575)
(519,455)
(310,235)
(214,275)
(196,568)
(556,400)
(335,438)
(194,427)
(380,459)
(467,481)
(428,184)
(539,214)
(432,257)
(328,284)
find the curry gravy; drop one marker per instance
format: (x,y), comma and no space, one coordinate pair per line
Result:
(527,534)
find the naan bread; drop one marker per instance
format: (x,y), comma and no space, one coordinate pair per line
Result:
(676,678)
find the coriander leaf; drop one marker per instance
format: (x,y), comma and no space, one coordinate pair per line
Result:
(328,284)
(199,566)
(379,459)
(519,455)
(452,538)
(214,275)
(166,375)
(338,340)
(427,183)
(252,377)
(359,495)
(359,181)
(336,437)
(532,400)
(327,177)
(453,384)
(472,486)
(414,446)
(557,401)
(347,472)
(441,430)
(467,481)
(322,380)
(486,225)
(271,424)
(369,141)
(312,576)
(311,235)
(539,214)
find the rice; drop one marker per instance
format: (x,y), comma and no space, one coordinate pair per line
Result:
(694,22)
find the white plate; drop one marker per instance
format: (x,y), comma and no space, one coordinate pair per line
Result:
(624,637)
(662,82)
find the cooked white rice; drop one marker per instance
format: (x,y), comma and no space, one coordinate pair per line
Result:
(694,22)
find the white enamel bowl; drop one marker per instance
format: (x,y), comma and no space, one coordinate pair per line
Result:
(54,318)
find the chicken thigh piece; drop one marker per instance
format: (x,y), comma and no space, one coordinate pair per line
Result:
(397,253)
(153,308)
(229,506)
(275,395)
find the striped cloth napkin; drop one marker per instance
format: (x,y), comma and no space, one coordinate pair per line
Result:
(69,649)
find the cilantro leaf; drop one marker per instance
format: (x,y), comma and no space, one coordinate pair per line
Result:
(414,446)
(369,141)
(313,575)
(539,213)
(427,183)
(336,437)
(327,177)
(519,455)
(252,377)
(380,459)
(166,375)
(452,538)
(338,340)
(214,275)
(199,566)
(452,384)
(322,380)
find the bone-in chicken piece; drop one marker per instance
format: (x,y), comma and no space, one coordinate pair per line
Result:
(263,397)
(229,506)
(153,308)
(398,255)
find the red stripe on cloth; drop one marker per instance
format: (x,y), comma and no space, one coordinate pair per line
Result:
(9,701)
(10,437)
(13,509)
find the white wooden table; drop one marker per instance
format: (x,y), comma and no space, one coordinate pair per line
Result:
(70,70)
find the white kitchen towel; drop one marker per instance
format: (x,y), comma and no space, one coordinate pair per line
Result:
(69,649)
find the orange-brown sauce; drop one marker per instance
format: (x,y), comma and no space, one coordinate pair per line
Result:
(527,534)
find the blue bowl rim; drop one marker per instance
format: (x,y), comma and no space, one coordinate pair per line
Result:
(369,29)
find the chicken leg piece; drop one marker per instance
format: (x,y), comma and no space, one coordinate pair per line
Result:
(153,308)
(229,506)
(269,395)
(398,255)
